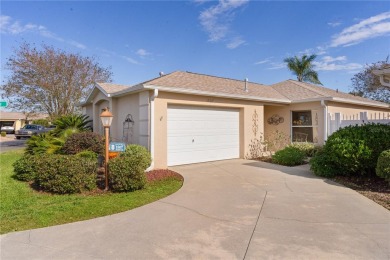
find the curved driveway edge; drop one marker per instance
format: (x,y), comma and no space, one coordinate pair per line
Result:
(233,209)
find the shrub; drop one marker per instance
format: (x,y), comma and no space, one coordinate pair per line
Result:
(44,144)
(88,154)
(3,134)
(65,174)
(352,150)
(127,171)
(24,168)
(84,141)
(289,156)
(75,123)
(383,165)
(308,148)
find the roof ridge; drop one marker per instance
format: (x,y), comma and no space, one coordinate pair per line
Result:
(225,78)
(164,75)
(309,88)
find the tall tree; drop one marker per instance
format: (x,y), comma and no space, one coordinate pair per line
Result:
(50,80)
(303,68)
(367,84)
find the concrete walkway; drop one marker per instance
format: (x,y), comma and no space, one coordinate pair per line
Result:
(234,209)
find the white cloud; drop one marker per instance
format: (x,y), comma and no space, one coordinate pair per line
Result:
(216,21)
(131,60)
(10,26)
(329,63)
(372,27)
(262,61)
(334,24)
(277,65)
(235,42)
(143,53)
(77,44)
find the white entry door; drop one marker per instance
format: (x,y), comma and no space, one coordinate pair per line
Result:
(201,134)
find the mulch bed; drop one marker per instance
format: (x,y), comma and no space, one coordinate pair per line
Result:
(161,174)
(374,188)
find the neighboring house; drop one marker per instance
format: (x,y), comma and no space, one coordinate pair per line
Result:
(17,119)
(184,117)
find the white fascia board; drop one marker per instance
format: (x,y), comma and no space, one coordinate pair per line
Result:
(311,100)
(356,102)
(213,94)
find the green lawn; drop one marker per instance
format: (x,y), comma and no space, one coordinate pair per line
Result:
(22,208)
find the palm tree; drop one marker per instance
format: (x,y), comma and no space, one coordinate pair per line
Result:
(303,68)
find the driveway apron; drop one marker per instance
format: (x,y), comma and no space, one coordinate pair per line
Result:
(234,209)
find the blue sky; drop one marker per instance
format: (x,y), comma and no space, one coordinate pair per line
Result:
(234,39)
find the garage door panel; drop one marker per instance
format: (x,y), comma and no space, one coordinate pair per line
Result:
(198,134)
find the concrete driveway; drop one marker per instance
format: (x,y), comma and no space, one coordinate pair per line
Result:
(234,209)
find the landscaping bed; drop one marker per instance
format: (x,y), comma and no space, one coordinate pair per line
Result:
(374,188)
(23,208)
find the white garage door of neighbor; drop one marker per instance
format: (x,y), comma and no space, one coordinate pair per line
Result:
(201,134)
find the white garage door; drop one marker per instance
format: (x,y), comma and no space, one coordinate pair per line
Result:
(200,134)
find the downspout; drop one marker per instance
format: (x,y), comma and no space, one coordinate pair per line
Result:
(155,95)
(325,120)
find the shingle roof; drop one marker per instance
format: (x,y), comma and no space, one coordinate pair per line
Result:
(201,82)
(110,88)
(286,91)
(296,91)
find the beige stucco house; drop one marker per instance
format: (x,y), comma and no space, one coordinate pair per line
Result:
(184,117)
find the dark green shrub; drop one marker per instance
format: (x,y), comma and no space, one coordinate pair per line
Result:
(352,150)
(383,165)
(127,171)
(24,167)
(84,141)
(3,134)
(65,174)
(289,156)
(88,154)
(322,163)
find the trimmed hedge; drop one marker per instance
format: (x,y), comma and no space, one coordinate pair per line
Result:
(24,168)
(65,174)
(383,165)
(352,150)
(84,141)
(289,156)
(127,171)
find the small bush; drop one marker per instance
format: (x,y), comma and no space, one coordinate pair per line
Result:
(127,172)
(3,134)
(353,150)
(88,154)
(289,156)
(84,141)
(24,168)
(383,165)
(308,148)
(65,174)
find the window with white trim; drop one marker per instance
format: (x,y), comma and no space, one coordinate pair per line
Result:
(304,126)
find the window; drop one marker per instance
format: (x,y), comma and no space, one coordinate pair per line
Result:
(304,127)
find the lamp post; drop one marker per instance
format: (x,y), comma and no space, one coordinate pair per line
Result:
(106,117)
